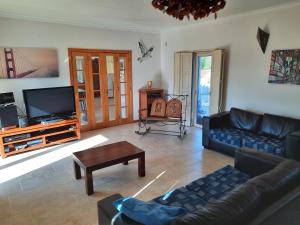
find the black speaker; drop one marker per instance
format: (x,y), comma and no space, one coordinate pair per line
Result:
(7,98)
(8,116)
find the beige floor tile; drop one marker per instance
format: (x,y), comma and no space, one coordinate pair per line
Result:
(50,195)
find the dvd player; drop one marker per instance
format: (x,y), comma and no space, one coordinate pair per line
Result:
(16,137)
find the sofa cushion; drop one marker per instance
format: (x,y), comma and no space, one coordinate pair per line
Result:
(198,193)
(264,144)
(181,197)
(244,120)
(218,183)
(278,126)
(228,136)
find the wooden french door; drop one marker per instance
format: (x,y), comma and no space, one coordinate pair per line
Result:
(103,87)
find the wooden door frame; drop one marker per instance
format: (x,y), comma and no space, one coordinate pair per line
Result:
(103,90)
(95,124)
(114,122)
(72,64)
(129,99)
(128,70)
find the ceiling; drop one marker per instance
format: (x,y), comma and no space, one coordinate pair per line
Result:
(137,15)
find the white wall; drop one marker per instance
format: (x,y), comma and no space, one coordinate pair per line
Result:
(17,33)
(247,66)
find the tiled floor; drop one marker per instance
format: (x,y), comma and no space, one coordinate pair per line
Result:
(38,188)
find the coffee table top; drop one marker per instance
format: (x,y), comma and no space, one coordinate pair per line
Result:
(106,153)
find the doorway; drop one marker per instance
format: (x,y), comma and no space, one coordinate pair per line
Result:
(204,71)
(207,84)
(103,87)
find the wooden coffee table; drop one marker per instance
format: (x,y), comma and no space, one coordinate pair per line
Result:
(104,156)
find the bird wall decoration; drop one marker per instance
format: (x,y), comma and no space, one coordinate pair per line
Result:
(146,53)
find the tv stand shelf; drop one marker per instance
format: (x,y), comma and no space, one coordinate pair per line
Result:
(19,140)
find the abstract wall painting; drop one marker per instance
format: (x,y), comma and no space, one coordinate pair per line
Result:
(285,67)
(18,63)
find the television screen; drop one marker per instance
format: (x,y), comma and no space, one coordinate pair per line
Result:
(48,102)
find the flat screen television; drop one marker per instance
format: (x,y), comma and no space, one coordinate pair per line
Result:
(45,103)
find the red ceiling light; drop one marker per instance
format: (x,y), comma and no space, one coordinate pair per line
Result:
(196,8)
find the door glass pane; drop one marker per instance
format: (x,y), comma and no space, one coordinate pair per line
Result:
(79,69)
(95,72)
(122,69)
(80,74)
(123,90)
(112,112)
(123,100)
(98,107)
(123,112)
(111,88)
(203,95)
(83,107)
(97,88)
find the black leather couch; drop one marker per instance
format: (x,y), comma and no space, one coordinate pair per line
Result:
(228,131)
(271,196)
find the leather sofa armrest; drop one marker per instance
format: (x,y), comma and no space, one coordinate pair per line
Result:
(292,146)
(255,163)
(106,212)
(219,120)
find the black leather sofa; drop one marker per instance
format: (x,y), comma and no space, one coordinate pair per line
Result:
(271,196)
(228,131)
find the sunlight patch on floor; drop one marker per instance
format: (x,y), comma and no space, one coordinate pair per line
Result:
(32,164)
(149,184)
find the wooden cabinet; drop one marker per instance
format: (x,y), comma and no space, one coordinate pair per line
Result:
(19,140)
(146,97)
(103,87)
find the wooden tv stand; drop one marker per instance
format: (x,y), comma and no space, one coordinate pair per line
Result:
(38,136)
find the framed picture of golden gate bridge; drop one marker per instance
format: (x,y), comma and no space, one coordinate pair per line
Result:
(28,63)
(285,67)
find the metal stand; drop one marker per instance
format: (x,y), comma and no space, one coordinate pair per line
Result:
(144,123)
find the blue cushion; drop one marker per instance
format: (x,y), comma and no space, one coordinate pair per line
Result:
(148,213)
(241,138)
(227,135)
(263,144)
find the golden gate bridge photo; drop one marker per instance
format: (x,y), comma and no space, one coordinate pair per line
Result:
(28,62)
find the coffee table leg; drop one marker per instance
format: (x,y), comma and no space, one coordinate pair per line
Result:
(77,170)
(89,182)
(141,168)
